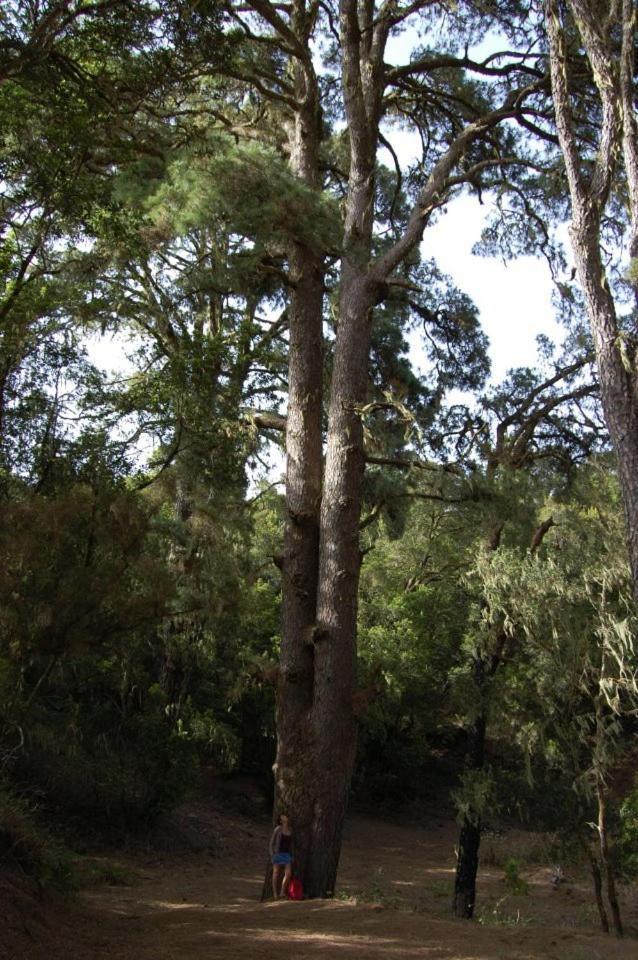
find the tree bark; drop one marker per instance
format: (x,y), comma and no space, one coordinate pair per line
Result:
(295,768)
(339,565)
(589,191)
(616,370)
(334,727)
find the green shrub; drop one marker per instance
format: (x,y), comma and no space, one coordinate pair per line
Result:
(627,847)
(493,914)
(103,786)
(513,880)
(98,872)
(26,844)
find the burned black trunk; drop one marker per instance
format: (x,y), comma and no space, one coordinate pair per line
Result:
(467,869)
(470,835)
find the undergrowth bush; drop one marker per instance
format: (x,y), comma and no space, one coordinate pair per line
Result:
(105,788)
(533,850)
(26,845)
(627,848)
(514,883)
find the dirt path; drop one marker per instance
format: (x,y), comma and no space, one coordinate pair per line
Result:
(393,904)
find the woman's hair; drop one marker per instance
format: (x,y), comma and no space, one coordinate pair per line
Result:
(282,814)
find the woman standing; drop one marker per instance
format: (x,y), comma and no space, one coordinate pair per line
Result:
(281,855)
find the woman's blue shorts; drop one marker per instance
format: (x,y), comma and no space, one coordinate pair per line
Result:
(281,859)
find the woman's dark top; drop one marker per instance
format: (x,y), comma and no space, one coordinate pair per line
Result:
(280,842)
(285,842)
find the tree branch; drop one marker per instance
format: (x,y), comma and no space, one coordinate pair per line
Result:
(437,184)
(270,15)
(539,533)
(430,64)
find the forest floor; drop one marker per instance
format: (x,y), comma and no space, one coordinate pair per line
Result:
(395,883)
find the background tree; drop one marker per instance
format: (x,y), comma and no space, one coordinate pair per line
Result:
(573,612)
(600,154)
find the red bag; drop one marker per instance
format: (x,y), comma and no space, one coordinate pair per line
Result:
(295,889)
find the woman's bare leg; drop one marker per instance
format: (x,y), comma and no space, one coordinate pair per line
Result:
(287,877)
(276,872)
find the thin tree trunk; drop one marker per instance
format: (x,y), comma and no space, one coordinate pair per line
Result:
(598,889)
(467,869)
(605,857)
(485,666)
(470,835)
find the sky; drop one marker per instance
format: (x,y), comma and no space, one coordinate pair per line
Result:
(513,299)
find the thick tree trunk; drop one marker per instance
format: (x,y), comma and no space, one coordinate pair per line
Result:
(335,646)
(315,719)
(616,371)
(295,767)
(363,40)
(316,725)
(296,770)
(590,187)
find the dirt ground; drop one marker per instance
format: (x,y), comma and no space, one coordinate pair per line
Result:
(392,904)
